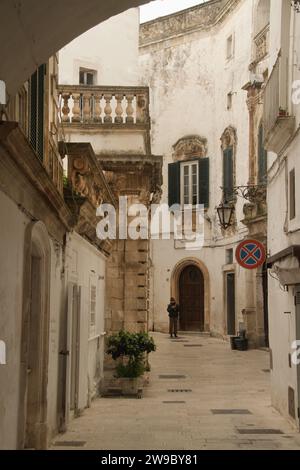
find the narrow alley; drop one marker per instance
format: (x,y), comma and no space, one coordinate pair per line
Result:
(220,400)
(149,184)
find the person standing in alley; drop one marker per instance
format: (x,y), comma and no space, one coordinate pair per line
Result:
(173,310)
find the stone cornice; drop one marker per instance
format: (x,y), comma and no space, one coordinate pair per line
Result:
(13,140)
(199,18)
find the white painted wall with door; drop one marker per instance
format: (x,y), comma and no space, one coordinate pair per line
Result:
(85,275)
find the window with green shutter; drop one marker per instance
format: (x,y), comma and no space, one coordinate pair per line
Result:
(204,182)
(174,183)
(37,110)
(189,182)
(228,175)
(262,157)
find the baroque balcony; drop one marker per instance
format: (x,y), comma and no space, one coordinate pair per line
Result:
(279,125)
(113,119)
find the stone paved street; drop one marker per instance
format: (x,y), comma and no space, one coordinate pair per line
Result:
(217,379)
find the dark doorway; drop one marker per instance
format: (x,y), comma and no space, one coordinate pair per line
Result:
(191,299)
(230,299)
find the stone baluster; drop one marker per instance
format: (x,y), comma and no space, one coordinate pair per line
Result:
(76,108)
(119,110)
(65,108)
(86,107)
(141,109)
(97,108)
(108,109)
(129,109)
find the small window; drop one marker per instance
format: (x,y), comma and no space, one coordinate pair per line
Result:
(229,256)
(229,47)
(229,100)
(87,77)
(292,194)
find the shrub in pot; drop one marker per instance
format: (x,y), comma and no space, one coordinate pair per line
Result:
(132,349)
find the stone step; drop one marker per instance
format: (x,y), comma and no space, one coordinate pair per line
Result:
(194,333)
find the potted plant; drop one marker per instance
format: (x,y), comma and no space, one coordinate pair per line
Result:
(131,351)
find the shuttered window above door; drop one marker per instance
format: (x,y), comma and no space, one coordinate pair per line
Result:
(188,182)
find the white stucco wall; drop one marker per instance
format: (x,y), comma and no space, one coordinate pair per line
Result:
(11,286)
(11,316)
(57,313)
(86,265)
(189,78)
(283,232)
(111,48)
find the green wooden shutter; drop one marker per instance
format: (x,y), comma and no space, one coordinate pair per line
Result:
(37,110)
(262,157)
(174,183)
(204,181)
(41,110)
(228,173)
(33,109)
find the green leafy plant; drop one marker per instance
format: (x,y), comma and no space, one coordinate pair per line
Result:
(132,348)
(65,181)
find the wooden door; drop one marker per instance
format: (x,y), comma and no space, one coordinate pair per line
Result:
(191,299)
(230,290)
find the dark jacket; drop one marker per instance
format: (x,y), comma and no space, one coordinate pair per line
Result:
(173,310)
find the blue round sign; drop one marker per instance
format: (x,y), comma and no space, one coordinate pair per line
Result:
(251,254)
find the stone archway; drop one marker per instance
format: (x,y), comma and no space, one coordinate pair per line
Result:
(175,285)
(35,339)
(41,31)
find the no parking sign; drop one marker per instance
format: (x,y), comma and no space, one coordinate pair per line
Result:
(250,254)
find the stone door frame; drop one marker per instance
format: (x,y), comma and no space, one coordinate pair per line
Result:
(175,279)
(37,244)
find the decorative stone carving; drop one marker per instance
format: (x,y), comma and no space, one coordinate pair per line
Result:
(189,147)
(83,181)
(157,195)
(144,197)
(200,17)
(229,138)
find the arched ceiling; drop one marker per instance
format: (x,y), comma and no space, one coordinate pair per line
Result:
(32,30)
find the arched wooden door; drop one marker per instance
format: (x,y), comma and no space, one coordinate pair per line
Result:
(191,299)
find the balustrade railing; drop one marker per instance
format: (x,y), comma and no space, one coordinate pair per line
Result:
(104,105)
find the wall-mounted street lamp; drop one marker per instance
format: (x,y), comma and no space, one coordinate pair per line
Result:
(225,213)
(296,5)
(251,192)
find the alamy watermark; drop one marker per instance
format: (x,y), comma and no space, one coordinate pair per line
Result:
(296,353)
(138,222)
